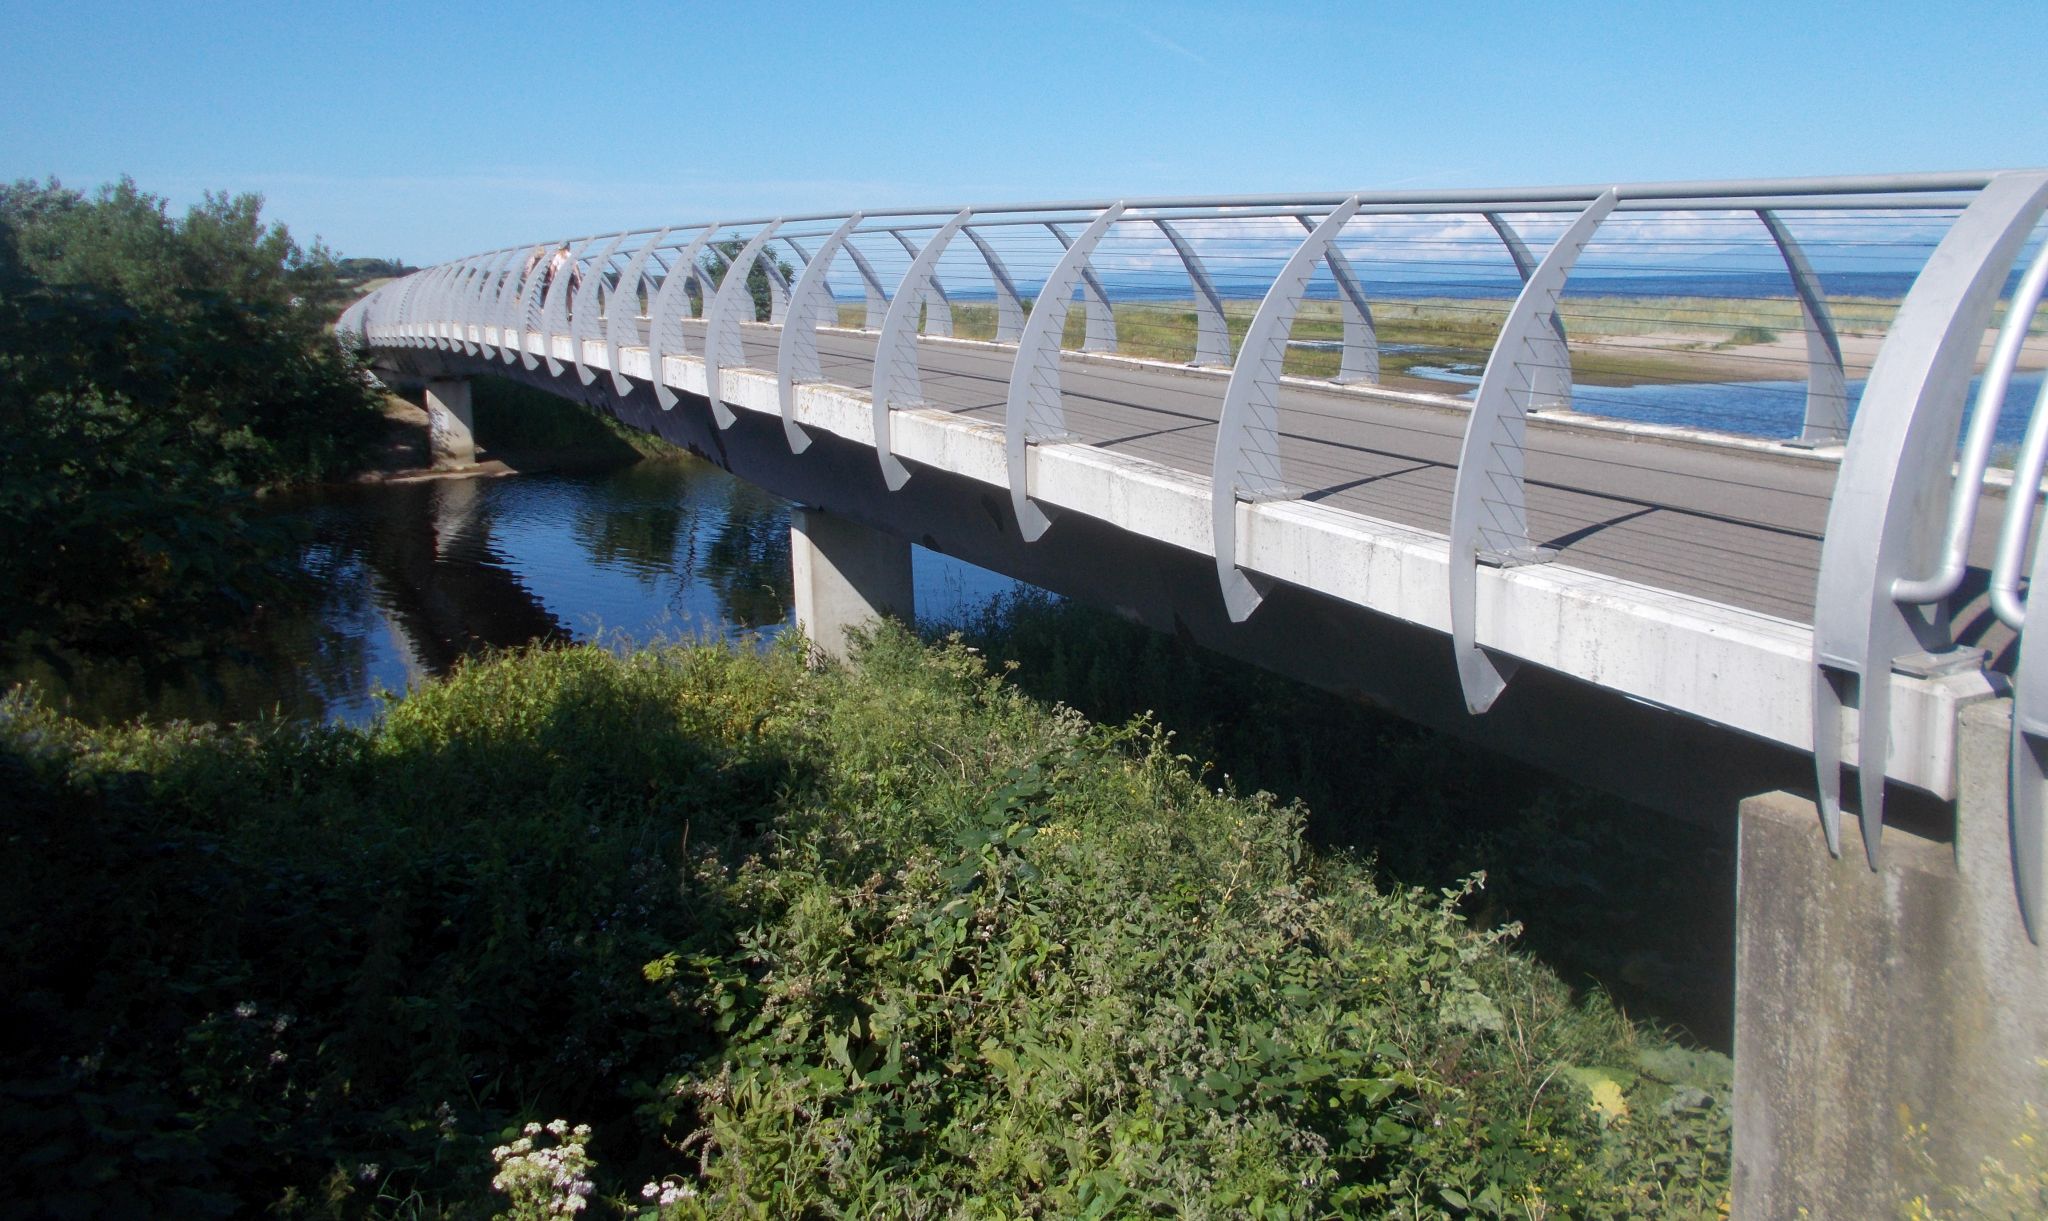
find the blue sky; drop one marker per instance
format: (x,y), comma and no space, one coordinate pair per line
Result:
(425,130)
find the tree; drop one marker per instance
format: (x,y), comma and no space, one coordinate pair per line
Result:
(155,374)
(719,255)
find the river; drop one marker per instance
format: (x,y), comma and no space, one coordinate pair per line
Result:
(416,575)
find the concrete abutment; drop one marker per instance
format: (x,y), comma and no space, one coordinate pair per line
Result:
(1870,1001)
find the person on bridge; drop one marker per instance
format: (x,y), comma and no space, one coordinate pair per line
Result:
(556,264)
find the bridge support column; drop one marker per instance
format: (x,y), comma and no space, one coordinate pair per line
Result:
(1865,1002)
(451,440)
(846,575)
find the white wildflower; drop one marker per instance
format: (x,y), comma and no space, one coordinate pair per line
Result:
(545,1179)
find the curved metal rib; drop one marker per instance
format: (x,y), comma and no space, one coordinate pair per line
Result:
(722,344)
(896,372)
(665,317)
(1361,358)
(1033,411)
(461,298)
(434,305)
(483,299)
(796,357)
(531,309)
(554,313)
(1247,462)
(621,327)
(1968,491)
(512,302)
(1899,455)
(1827,387)
(1212,332)
(1489,515)
(1100,335)
(484,307)
(583,318)
(778,287)
(1009,305)
(1550,371)
(878,301)
(938,307)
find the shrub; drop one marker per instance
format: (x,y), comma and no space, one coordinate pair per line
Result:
(888,940)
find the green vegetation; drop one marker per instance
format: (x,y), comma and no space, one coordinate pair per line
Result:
(1580,868)
(896,940)
(154,374)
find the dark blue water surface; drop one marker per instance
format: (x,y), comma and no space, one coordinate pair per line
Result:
(1772,410)
(418,575)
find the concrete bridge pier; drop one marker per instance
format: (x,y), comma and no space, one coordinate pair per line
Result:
(846,574)
(1870,1003)
(451,438)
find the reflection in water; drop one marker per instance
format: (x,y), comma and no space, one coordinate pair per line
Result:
(415,576)
(747,562)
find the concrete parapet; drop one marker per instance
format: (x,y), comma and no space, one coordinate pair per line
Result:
(1870,1001)
(846,574)
(451,437)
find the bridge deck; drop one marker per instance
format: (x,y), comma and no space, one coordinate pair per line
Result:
(1733,525)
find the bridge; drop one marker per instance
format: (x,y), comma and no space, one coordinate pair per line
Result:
(1212,415)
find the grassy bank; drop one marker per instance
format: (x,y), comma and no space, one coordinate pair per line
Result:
(900,940)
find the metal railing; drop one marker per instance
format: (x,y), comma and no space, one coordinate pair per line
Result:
(1187,267)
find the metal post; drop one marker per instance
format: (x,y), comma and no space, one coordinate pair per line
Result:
(896,373)
(1212,331)
(621,328)
(1100,335)
(938,307)
(1247,462)
(1827,386)
(665,317)
(796,357)
(722,321)
(1489,517)
(1033,411)
(1900,455)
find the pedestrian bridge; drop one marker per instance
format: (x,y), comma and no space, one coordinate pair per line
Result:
(1420,447)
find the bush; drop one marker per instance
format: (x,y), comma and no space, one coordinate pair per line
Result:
(895,940)
(154,374)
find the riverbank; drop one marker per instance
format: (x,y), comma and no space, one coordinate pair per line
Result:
(519,430)
(874,940)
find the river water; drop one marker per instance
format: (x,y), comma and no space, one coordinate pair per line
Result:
(416,575)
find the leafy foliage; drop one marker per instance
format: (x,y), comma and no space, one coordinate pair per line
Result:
(893,940)
(718,256)
(1580,868)
(154,373)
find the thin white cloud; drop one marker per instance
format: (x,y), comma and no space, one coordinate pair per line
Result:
(1116,14)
